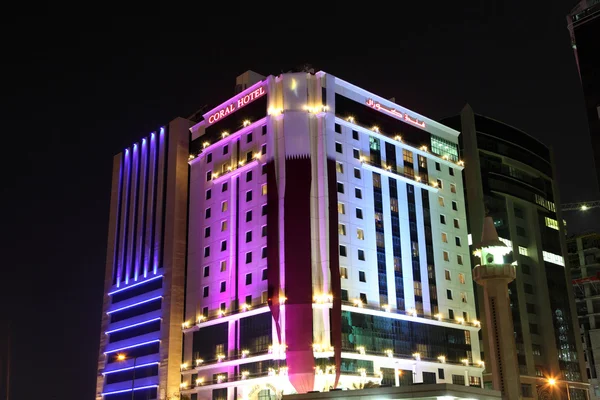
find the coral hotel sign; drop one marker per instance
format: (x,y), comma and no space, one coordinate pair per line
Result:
(235,104)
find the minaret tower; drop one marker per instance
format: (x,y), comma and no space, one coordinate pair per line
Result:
(494,275)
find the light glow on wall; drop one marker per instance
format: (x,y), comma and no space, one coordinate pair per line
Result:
(133,305)
(135,284)
(130,368)
(553,258)
(133,325)
(132,346)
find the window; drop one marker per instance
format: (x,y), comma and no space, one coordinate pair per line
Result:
(451,171)
(263,189)
(444,238)
(248,300)
(249,195)
(248,236)
(340,187)
(224,187)
(551,223)
(359,213)
(407,155)
(264,297)
(225,149)
(338,128)
(526,269)
(461,278)
(357,173)
(248,257)
(454,205)
(439,183)
(456,224)
(249,138)
(533,328)
(263,231)
(205,291)
(263,210)
(441,201)
(223,225)
(457,241)
(356,154)
(205,312)
(437,166)
(207,251)
(207,231)
(459,259)
(223,266)
(264,275)
(263,169)
(528,288)
(363,298)
(338,147)
(206,271)
(223,286)
(446,256)
(523,251)
(263,252)
(223,206)
(360,234)
(441,373)
(208,194)
(341,208)
(345,295)
(442,219)
(530,308)
(526,390)
(248,176)
(361,276)
(207,213)
(249,156)
(449,294)
(342,229)
(208,176)
(264,129)
(361,255)
(447,275)
(463,297)
(248,215)
(339,167)
(450,313)
(343,251)
(223,245)
(248,279)
(343,272)
(209,158)
(452,188)
(358,193)
(521,231)
(263,149)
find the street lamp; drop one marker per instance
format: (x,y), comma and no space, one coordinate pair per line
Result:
(553,382)
(122,357)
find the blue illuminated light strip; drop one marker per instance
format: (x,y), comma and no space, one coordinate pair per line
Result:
(135,284)
(130,368)
(133,305)
(132,346)
(129,390)
(131,326)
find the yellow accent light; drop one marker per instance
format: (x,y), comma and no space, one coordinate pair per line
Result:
(247,122)
(442,359)
(121,357)
(361,349)
(205,145)
(375,129)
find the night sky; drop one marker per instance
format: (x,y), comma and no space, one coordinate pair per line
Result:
(73,97)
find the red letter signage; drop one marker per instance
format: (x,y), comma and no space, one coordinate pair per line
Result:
(395,113)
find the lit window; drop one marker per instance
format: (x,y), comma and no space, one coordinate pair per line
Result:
(223,225)
(343,272)
(459,259)
(341,208)
(553,258)
(439,183)
(360,234)
(223,206)
(263,231)
(453,188)
(407,155)
(461,278)
(264,189)
(447,275)
(264,297)
(523,251)
(463,297)
(342,229)
(551,223)
(441,201)
(223,266)
(444,238)
(446,256)
(339,167)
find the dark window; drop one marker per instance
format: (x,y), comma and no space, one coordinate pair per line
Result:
(264,274)
(207,213)
(248,176)
(264,129)
(354,135)
(454,205)
(528,288)
(248,236)
(530,308)
(441,373)
(442,219)
(451,171)
(338,128)
(343,251)
(340,187)
(249,137)
(361,276)
(437,166)
(457,241)
(205,291)
(263,231)
(248,257)
(357,173)
(207,251)
(249,195)
(361,255)
(525,269)
(208,176)
(263,169)
(363,298)
(533,328)
(224,245)
(206,271)
(248,279)
(208,158)
(263,210)
(207,231)
(519,213)
(429,377)
(248,300)
(263,149)
(521,231)
(356,154)
(458,380)
(450,314)
(224,187)
(338,147)
(248,216)
(359,213)
(223,286)
(208,194)
(225,149)
(344,295)
(449,294)
(358,193)
(263,252)
(249,156)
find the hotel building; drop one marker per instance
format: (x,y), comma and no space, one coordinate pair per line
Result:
(584,260)
(513,174)
(313,236)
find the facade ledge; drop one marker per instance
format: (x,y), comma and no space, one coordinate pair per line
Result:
(132,302)
(397,175)
(132,342)
(263,308)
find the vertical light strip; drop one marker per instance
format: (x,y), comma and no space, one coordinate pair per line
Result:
(123,222)
(132,206)
(150,203)
(139,234)
(158,226)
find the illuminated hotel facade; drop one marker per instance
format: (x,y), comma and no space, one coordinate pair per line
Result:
(324,245)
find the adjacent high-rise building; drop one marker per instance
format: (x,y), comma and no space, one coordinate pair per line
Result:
(510,176)
(303,235)
(584,260)
(583,23)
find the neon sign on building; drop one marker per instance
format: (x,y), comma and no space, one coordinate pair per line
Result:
(395,113)
(235,105)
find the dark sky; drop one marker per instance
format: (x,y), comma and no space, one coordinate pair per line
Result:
(73,97)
